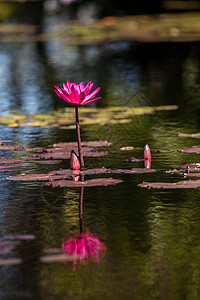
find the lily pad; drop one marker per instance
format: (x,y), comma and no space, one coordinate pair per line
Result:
(47,162)
(87,144)
(66,155)
(8,168)
(193,135)
(67,173)
(187,184)
(163,151)
(191,175)
(9,147)
(191,167)
(10,261)
(194,149)
(35,177)
(86,183)
(133,159)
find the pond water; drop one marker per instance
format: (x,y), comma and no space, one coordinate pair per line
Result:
(148,240)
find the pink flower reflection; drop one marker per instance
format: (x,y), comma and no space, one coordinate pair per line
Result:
(86,246)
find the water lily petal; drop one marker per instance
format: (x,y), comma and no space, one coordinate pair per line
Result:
(66,88)
(88,88)
(75,96)
(59,93)
(92,94)
(93,100)
(81,86)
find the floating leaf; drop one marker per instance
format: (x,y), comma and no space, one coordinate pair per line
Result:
(47,162)
(10,261)
(133,159)
(193,135)
(194,149)
(191,175)
(8,168)
(11,160)
(9,147)
(174,171)
(127,148)
(88,144)
(187,184)
(86,183)
(66,155)
(133,171)
(35,177)
(67,173)
(191,166)
(163,151)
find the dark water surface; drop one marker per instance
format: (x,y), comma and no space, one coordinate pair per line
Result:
(152,237)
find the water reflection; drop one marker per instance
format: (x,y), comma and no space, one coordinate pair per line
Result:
(84,247)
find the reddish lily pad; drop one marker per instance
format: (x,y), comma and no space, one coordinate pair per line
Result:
(8,168)
(86,183)
(88,144)
(9,147)
(133,159)
(194,149)
(163,151)
(130,148)
(187,184)
(47,162)
(11,160)
(127,148)
(133,171)
(173,171)
(191,166)
(66,155)
(36,177)
(191,174)
(68,174)
(69,149)
(193,135)
(10,261)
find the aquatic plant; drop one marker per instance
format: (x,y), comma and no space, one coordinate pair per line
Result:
(77,94)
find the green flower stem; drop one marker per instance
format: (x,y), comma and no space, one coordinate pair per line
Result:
(79,139)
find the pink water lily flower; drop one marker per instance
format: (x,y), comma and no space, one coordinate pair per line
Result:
(77,94)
